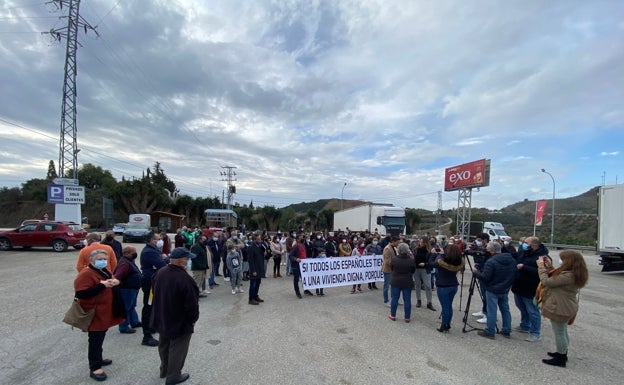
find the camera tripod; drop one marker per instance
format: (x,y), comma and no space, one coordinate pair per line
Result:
(473,283)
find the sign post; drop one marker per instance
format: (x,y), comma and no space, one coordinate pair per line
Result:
(67,197)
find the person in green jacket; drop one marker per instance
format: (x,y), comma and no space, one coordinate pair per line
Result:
(199,265)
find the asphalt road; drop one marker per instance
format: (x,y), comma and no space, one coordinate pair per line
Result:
(337,339)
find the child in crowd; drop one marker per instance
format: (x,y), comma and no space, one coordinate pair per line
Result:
(233,261)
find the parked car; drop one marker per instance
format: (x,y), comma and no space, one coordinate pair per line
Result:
(58,235)
(118,228)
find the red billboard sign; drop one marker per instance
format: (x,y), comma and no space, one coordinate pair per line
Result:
(467,175)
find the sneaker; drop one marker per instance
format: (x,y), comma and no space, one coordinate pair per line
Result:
(353,291)
(521,330)
(533,338)
(226,279)
(299,295)
(486,335)
(387,304)
(392,318)
(360,289)
(482,320)
(506,335)
(240,290)
(478,314)
(233,291)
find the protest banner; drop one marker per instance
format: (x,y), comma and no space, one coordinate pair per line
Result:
(340,271)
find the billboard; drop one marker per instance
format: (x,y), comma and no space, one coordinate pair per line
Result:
(467,175)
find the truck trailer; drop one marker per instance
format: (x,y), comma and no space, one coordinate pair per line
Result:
(370,216)
(610,245)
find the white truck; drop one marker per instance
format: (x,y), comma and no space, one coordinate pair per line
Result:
(496,231)
(610,245)
(368,217)
(139,228)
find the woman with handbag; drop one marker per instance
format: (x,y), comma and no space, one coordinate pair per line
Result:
(94,288)
(558,295)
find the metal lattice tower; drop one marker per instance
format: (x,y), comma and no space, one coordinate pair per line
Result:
(229,175)
(464,205)
(439,212)
(68,147)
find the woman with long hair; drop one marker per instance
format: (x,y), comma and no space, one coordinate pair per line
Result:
(448,264)
(558,294)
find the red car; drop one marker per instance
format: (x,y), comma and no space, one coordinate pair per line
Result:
(58,235)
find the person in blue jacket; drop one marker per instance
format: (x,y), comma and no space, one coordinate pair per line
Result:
(151,260)
(498,274)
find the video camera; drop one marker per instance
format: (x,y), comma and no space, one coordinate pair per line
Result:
(478,255)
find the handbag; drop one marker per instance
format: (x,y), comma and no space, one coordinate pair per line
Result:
(77,317)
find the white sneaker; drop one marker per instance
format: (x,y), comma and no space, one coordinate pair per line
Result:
(387,304)
(207,292)
(478,314)
(233,291)
(239,290)
(482,320)
(533,338)
(226,279)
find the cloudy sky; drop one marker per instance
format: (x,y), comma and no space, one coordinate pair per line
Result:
(305,96)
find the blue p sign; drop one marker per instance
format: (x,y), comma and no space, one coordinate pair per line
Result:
(56,193)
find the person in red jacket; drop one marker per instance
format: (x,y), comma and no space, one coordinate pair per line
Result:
(94,289)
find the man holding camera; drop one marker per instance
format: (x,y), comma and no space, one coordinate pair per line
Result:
(498,274)
(480,257)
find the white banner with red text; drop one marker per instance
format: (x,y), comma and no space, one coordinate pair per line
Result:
(340,271)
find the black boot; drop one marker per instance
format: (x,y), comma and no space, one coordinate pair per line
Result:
(556,354)
(418,303)
(559,360)
(430,307)
(444,328)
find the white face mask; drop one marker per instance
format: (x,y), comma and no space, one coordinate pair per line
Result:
(160,243)
(479,243)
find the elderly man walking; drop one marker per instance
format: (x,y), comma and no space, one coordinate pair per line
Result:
(174,313)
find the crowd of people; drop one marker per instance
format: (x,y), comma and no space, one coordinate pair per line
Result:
(174,279)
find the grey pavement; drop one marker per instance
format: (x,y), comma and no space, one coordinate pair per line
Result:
(341,338)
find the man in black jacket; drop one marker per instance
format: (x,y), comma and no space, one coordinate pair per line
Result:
(498,275)
(174,313)
(255,257)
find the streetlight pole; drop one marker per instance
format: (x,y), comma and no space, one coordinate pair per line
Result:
(342,194)
(552,225)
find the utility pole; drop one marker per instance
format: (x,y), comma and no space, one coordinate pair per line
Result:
(68,147)
(229,176)
(439,212)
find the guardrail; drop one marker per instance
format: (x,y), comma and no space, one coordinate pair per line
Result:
(559,246)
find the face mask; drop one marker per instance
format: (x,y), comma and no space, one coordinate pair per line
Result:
(506,243)
(160,243)
(375,243)
(362,245)
(234,237)
(134,256)
(525,246)
(318,237)
(344,241)
(479,243)
(100,263)
(215,239)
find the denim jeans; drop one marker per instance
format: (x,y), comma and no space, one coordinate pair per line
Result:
(211,280)
(562,340)
(254,287)
(446,295)
(500,301)
(386,286)
(288,267)
(530,317)
(407,300)
(129,297)
(296,277)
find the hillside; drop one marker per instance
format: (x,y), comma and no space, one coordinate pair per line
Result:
(575,218)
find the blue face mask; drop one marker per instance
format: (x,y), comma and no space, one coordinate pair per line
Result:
(525,246)
(215,239)
(100,263)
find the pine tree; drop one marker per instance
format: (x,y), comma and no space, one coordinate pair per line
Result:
(51,171)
